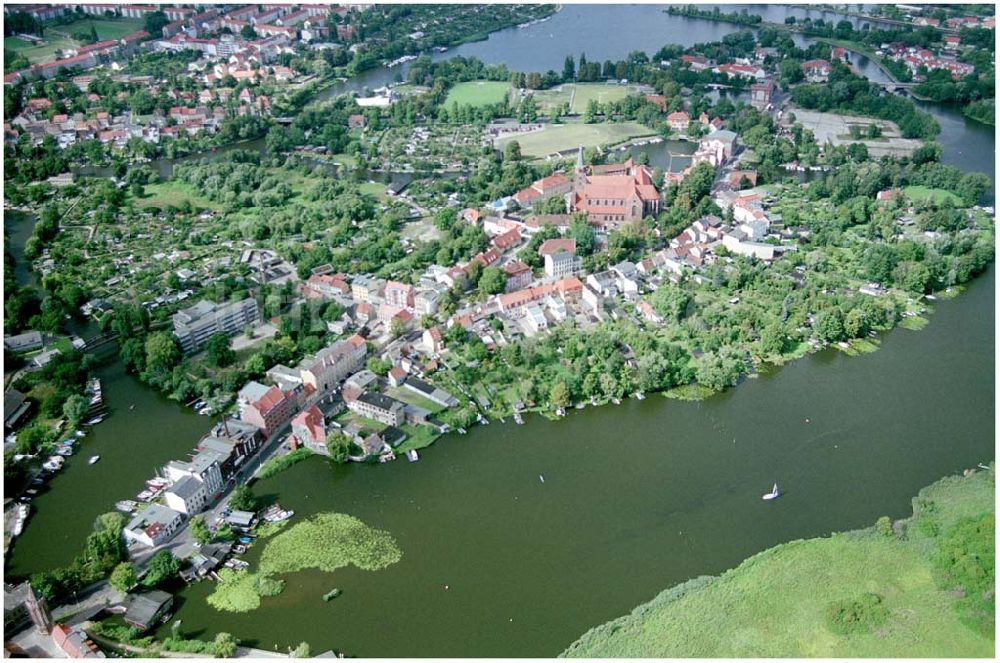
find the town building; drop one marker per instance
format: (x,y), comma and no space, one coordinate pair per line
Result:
(614,194)
(379,407)
(153,525)
(309,430)
(271,411)
(194,325)
(144,610)
(325,370)
(74,642)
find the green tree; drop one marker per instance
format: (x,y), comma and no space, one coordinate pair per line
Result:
(243,499)
(569,69)
(75,409)
(123,578)
(162,568)
(559,395)
(829,324)
(200,531)
(492,281)
(162,353)
(302,651)
(218,351)
(512,151)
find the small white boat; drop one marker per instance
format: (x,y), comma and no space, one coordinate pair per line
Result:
(93,459)
(412,456)
(94,421)
(79,433)
(65,451)
(541,478)
(126,506)
(144,495)
(771,495)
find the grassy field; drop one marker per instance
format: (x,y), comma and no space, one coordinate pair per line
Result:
(560,137)
(579,94)
(920,193)
(478,93)
(174,192)
(106,28)
(776,604)
(39,53)
(61,37)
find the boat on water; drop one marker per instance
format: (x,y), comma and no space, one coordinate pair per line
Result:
(332,594)
(774,494)
(65,451)
(79,433)
(145,496)
(275,514)
(205,411)
(541,478)
(93,459)
(126,506)
(94,421)
(412,456)
(639,396)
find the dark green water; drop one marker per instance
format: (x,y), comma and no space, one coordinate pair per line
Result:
(131,444)
(636,498)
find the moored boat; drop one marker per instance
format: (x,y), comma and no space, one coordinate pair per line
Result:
(93,459)
(773,494)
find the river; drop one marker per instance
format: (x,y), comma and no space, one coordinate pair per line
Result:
(636,498)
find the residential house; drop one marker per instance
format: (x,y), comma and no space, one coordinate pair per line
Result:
(309,430)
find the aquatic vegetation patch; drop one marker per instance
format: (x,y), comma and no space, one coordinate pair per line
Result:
(914,323)
(690,392)
(327,541)
(238,591)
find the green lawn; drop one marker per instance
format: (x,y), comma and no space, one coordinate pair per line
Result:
(417,437)
(39,53)
(555,138)
(478,93)
(60,37)
(578,95)
(173,192)
(106,28)
(921,193)
(776,603)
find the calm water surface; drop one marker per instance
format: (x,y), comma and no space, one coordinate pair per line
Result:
(636,498)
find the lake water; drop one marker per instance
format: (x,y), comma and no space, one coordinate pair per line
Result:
(636,498)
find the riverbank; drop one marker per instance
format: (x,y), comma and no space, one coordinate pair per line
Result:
(779,602)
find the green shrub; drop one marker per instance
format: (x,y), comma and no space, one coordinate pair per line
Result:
(858,615)
(965,560)
(276,465)
(884,526)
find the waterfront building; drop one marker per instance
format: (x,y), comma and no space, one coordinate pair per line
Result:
(379,407)
(194,325)
(144,610)
(205,466)
(270,411)
(153,525)
(309,430)
(188,496)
